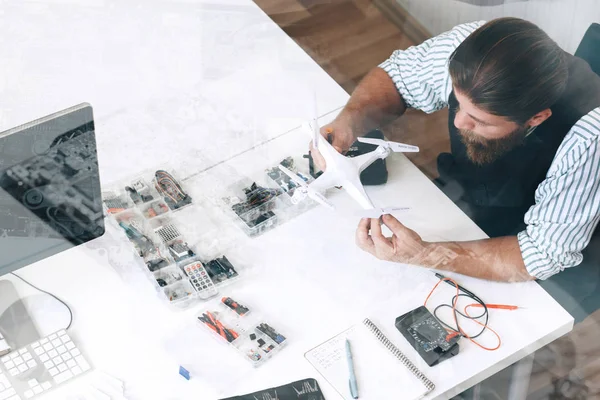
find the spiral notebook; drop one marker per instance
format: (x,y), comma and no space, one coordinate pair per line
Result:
(381,369)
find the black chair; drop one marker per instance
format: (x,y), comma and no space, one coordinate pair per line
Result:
(589,48)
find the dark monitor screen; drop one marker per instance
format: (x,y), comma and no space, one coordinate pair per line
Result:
(50,196)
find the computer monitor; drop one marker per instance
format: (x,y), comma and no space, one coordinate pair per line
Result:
(50,196)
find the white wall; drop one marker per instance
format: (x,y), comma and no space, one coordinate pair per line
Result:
(564,20)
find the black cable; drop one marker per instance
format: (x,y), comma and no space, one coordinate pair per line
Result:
(471,295)
(51,295)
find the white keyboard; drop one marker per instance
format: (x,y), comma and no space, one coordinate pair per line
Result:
(41,366)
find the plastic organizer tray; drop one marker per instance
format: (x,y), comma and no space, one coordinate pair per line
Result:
(237,325)
(177,270)
(259,205)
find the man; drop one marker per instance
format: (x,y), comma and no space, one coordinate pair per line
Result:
(525,147)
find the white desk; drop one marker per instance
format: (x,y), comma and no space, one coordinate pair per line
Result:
(166,90)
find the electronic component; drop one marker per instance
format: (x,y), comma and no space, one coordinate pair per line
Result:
(167,232)
(427,335)
(171,191)
(115,204)
(142,242)
(213,323)
(176,293)
(199,278)
(220,269)
(261,342)
(284,181)
(253,355)
(257,199)
(252,336)
(169,278)
(235,306)
(155,209)
(270,332)
(268,349)
(180,250)
(41,366)
(156,264)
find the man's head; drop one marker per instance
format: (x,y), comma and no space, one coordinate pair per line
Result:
(506,75)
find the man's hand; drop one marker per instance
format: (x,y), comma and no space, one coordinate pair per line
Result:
(405,245)
(341,136)
(497,259)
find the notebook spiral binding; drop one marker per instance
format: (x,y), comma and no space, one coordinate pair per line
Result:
(399,355)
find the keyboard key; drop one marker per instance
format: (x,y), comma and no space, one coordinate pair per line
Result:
(14,372)
(44,341)
(29,394)
(27,357)
(48,347)
(22,351)
(62,367)
(15,397)
(57,360)
(44,357)
(56,342)
(37,390)
(48,364)
(9,364)
(62,332)
(5,359)
(23,367)
(75,352)
(60,378)
(82,363)
(31,364)
(76,371)
(46,385)
(61,349)
(53,371)
(66,357)
(52,353)
(71,364)
(7,394)
(70,346)
(65,339)
(32,383)
(39,351)
(35,345)
(53,336)
(18,360)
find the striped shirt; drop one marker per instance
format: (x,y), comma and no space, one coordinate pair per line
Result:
(567,203)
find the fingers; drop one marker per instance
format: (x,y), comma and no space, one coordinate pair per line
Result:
(392,223)
(363,240)
(383,245)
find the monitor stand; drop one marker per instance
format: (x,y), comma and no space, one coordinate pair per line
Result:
(23,320)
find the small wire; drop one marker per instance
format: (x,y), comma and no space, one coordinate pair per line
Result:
(458,330)
(51,295)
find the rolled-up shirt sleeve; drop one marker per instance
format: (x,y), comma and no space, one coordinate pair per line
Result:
(567,204)
(421,74)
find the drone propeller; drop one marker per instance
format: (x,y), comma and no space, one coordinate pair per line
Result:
(378,212)
(305,189)
(394,146)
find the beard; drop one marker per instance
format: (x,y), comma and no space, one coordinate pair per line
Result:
(483,151)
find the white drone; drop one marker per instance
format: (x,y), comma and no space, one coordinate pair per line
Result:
(345,172)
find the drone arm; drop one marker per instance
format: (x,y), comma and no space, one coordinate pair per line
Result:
(364,160)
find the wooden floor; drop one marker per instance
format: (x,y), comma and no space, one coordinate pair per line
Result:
(349,37)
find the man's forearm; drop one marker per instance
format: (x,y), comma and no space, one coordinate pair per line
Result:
(497,259)
(375,102)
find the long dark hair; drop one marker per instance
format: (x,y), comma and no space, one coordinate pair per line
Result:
(511,68)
